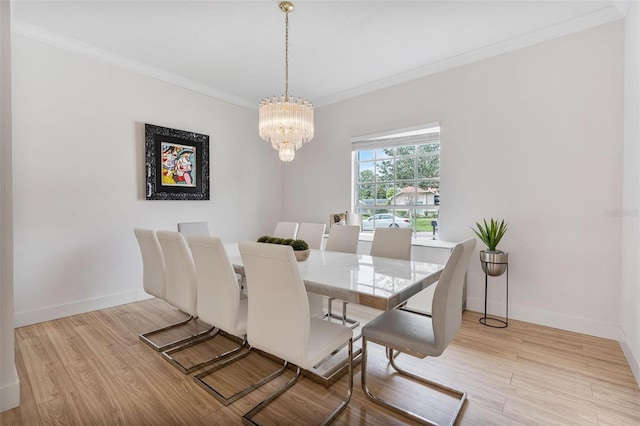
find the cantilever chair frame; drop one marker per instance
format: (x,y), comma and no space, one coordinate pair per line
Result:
(218,300)
(461,396)
(145,337)
(199,378)
(453,275)
(212,333)
(247,418)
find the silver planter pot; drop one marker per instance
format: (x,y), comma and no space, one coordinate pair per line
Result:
(494,263)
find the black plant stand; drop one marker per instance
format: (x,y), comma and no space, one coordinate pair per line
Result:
(483,320)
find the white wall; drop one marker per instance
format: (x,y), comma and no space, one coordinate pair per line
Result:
(79,177)
(533,136)
(630,306)
(9,382)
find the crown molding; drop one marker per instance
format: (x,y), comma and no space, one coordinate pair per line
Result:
(615,11)
(84,49)
(599,17)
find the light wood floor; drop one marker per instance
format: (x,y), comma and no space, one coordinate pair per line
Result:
(91,369)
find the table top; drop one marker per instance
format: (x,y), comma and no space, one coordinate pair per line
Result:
(377,282)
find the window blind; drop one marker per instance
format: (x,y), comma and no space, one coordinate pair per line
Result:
(428,133)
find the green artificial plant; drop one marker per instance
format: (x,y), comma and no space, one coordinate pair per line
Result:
(491,233)
(297,245)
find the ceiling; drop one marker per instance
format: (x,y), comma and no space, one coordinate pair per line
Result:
(234,50)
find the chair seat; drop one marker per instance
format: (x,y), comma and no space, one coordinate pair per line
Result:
(324,338)
(403,331)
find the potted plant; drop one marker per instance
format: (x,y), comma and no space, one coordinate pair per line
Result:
(300,247)
(493,261)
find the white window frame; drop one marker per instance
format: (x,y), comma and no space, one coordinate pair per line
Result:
(415,135)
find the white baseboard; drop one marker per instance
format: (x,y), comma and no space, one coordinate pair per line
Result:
(142,295)
(633,361)
(10,395)
(546,318)
(48,313)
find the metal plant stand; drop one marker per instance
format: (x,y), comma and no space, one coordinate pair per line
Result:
(483,320)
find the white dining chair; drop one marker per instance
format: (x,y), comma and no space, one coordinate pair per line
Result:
(201,228)
(153,269)
(342,238)
(394,243)
(194,228)
(219,301)
(279,323)
(153,280)
(313,234)
(422,302)
(419,335)
(181,280)
(286,230)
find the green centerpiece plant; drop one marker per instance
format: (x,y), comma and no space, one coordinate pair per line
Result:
(300,247)
(493,261)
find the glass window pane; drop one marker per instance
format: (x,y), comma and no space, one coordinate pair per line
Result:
(385,170)
(384,192)
(365,194)
(432,185)
(428,167)
(405,150)
(429,148)
(365,155)
(365,172)
(406,194)
(384,153)
(405,168)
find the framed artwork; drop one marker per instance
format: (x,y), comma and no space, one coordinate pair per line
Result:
(337,219)
(177,164)
(345,218)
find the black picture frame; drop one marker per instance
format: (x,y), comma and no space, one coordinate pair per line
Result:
(177,164)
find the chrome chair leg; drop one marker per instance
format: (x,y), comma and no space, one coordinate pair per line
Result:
(352,322)
(144,337)
(228,400)
(462,396)
(247,418)
(212,333)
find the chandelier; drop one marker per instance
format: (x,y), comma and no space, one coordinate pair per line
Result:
(283,121)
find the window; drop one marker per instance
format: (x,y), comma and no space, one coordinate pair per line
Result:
(396,179)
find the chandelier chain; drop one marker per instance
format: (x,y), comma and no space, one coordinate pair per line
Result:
(286,56)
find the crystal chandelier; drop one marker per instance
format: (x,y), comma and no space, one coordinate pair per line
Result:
(285,122)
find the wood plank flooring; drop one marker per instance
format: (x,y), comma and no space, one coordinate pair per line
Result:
(91,369)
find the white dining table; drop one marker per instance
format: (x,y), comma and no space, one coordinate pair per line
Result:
(377,282)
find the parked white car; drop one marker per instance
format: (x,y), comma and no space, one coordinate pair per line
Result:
(385,220)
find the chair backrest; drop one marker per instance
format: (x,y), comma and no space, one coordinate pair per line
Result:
(286,230)
(278,320)
(218,289)
(153,269)
(180,272)
(194,228)
(312,233)
(343,238)
(394,243)
(446,310)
